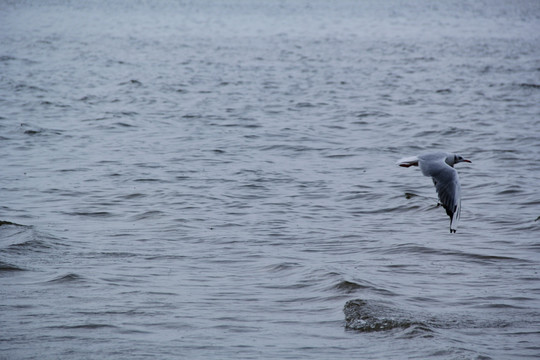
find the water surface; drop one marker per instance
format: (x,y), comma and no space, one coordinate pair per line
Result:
(208,180)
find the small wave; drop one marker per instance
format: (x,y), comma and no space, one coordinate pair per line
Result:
(289,148)
(34,245)
(235,124)
(92,99)
(339,156)
(150,180)
(54,104)
(2,223)
(529,86)
(5,267)
(305,105)
(68,278)
(419,249)
(416,331)
(481,258)
(148,215)
(497,306)
(6,58)
(34,130)
(376,114)
(192,116)
(284,266)
(132,82)
(28,88)
(444,91)
(20,239)
(409,195)
(349,286)
(133,196)
(89,326)
(386,210)
(511,190)
(124,124)
(91,213)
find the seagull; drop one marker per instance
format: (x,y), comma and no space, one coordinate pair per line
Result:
(440,166)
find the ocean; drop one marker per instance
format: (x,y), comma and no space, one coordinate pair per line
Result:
(218,179)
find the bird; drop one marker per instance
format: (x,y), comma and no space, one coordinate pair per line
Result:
(440,166)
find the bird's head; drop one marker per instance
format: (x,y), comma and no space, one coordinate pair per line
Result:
(455,158)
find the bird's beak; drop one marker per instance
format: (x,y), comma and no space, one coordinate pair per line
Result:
(466,160)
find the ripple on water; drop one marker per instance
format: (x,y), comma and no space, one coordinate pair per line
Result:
(6,267)
(370,315)
(67,278)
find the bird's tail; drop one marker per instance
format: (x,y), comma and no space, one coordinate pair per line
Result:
(408,161)
(454,218)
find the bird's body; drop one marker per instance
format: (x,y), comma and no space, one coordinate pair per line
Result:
(440,167)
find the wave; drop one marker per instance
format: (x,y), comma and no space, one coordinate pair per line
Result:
(365,316)
(371,316)
(3,223)
(6,267)
(67,278)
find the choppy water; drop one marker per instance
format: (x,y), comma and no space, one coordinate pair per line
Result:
(217,180)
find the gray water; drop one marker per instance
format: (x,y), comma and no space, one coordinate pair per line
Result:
(207,179)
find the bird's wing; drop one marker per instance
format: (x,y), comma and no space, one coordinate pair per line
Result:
(446,182)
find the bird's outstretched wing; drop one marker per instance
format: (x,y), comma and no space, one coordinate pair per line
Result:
(446,182)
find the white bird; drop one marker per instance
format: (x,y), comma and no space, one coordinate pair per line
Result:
(440,166)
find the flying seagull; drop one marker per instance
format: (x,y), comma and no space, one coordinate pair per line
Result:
(440,166)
